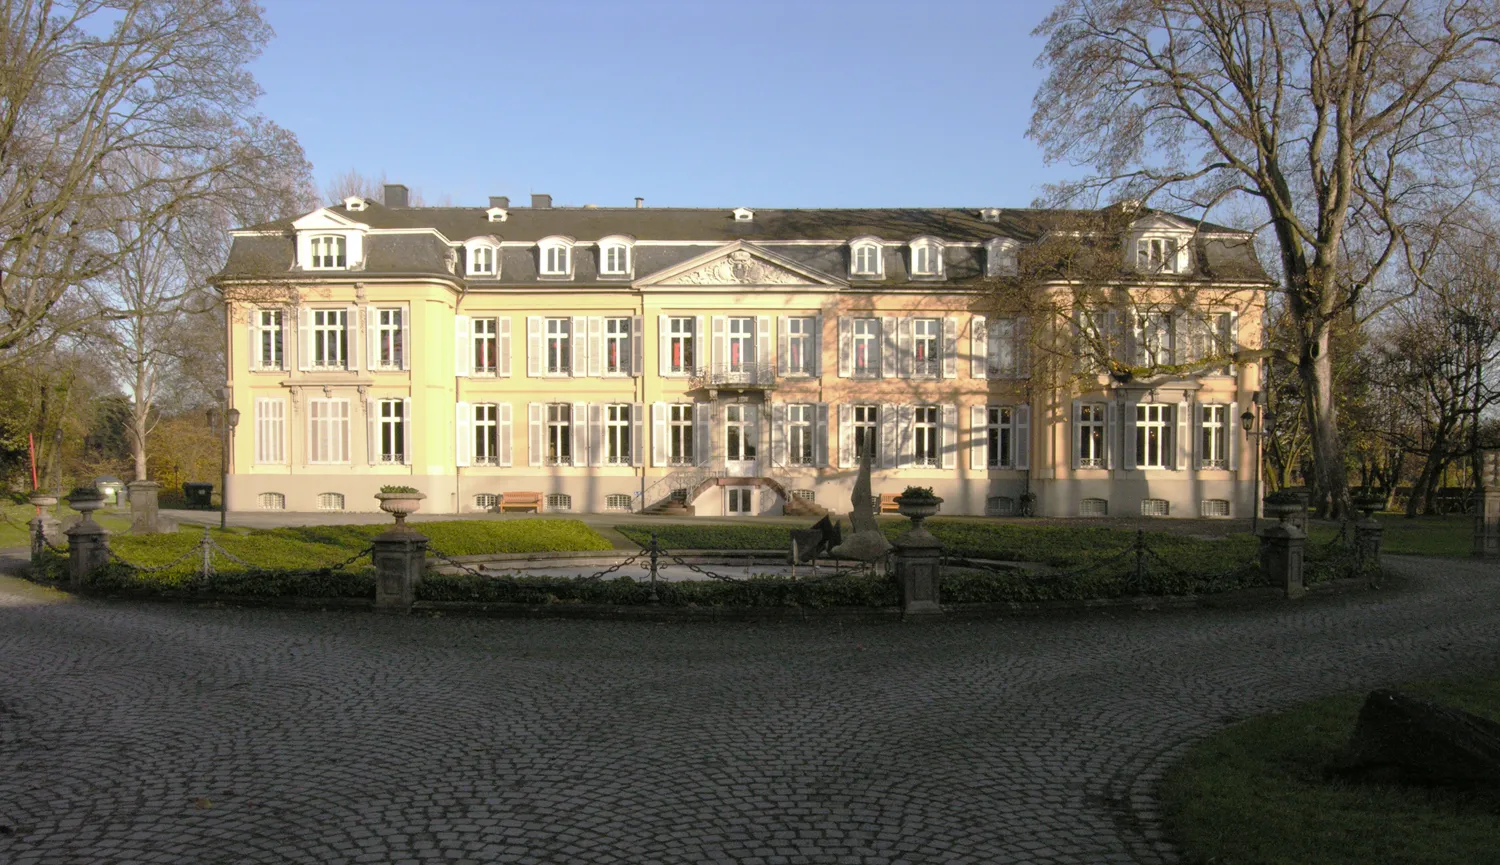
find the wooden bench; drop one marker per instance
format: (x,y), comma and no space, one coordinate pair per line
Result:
(888,503)
(521,501)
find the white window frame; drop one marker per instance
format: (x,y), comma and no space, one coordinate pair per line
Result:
(999,437)
(327,252)
(1000,257)
(866,432)
(1206,334)
(389,326)
(270,339)
(557,346)
(555,257)
(802,345)
(927,436)
(927,348)
(744,495)
(616,257)
(871,339)
(332,335)
(867,259)
(617,434)
(1006,348)
(739,344)
(1161,253)
(681,429)
(1214,436)
(484,340)
(391,425)
(926,258)
(557,444)
(683,344)
(617,346)
(1154,335)
(486,434)
(1091,441)
(801,434)
(1154,425)
(328,431)
(744,419)
(478,252)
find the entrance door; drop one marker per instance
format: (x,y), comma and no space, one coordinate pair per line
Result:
(740,438)
(739,501)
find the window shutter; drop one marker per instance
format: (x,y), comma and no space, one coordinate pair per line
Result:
(1195,434)
(846,346)
(351,330)
(504,434)
(720,355)
(979,434)
(1232,438)
(534,412)
(406,338)
(596,345)
(889,366)
(907,453)
(254,343)
(637,434)
(406,440)
(578,427)
(763,339)
(463,433)
(703,444)
(700,346)
(948,447)
(663,346)
(533,345)
(816,366)
(778,434)
(1232,339)
(1129,422)
(372,431)
(1111,434)
(596,433)
(1183,439)
(950,347)
(579,346)
(890,437)
(1182,337)
(820,435)
(979,348)
(637,345)
(304,338)
(658,435)
(781,338)
(1021,438)
(372,338)
(1077,433)
(463,345)
(286,336)
(502,346)
(903,347)
(846,435)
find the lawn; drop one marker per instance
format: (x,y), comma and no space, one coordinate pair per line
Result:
(14,516)
(1255,794)
(1451,536)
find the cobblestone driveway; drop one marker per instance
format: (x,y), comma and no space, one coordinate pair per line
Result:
(167,734)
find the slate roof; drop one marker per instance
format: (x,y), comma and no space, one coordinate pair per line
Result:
(699,230)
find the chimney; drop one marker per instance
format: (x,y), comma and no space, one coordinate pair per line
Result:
(639,202)
(500,201)
(395,195)
(540,201)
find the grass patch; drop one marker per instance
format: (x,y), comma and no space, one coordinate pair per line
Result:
(15,515)
(1450,536)
(1255,794)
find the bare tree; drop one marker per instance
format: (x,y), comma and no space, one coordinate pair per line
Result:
(87,89)
(353,183)
(1361,127)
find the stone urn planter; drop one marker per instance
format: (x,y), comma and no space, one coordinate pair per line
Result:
(86,500)
(400,505)
(918,509)
(1281,508)
(42,500)
(1368,503)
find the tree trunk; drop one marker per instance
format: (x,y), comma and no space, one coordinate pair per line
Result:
(1330,495)
(1421,490)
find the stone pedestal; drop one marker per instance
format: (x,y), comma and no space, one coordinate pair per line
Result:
(400,558)
(1281,550)
(1487,526)
(88,549)
(918,556)
(45,529)
(143,507)
(1367,534)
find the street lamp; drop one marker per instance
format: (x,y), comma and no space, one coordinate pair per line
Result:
(57,438)
(1268,423)
(231,420)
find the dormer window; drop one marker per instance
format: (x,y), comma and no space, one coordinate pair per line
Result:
(556,256)
(1000,257)
(926,258)
(497,214)
(614,256)
(354,203)
(1160,255)
(328,253)
(866,259)
(990,214)
(743,214)
(482,257)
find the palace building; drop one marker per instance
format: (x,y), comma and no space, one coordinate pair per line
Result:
(738,361)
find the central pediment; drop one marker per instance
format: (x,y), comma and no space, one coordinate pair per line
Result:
(740,264)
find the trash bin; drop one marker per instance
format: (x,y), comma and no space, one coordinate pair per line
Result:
(198,495)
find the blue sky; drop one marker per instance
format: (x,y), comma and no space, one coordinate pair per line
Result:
(771,103)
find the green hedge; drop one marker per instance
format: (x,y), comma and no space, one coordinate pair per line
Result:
(757,592)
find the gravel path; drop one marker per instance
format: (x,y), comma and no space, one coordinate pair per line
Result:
(160,733)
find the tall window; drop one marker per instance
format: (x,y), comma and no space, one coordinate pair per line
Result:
(484,346)
(680,434)
(559,434)
(617,346)
(392,431)
(559,345)
(1213,440)
(681,340)
(1005,348)
(330,338)
(486,434)
(616,260)
(617,435)
(867,432)
(926,260)
(800,346)
(925,435)
(926,336)
(268,349)
(799,434)
(999,447)
(1153,338)
(482,261)
(741,344)
(556,260)
(1210,335)
(270,430)
(389,349)
(739,432)
(1156,254)
(1153,436)
(328,431)
(1091,435)
(866,346)
(867,260)
(327,252)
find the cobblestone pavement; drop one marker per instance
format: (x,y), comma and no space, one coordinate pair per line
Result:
(158,733)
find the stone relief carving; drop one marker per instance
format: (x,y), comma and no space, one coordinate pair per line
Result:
(739,268)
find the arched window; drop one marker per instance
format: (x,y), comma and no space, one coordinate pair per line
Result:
(926,257)
(1000,257)
(556,256)
(615,256)
(482,257)
(866,258)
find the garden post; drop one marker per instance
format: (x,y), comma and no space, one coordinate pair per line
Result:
(1487,523)
(400,556)
(143,507)
(88,549)
(1281,550)
(45,528)
(1367,544)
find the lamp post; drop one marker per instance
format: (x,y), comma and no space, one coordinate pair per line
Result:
(231,420)
(57,438)
(1268,426)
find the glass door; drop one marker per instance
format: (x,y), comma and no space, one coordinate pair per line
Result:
(740,441)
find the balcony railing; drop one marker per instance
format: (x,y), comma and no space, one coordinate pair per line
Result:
(757,376)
